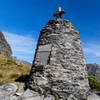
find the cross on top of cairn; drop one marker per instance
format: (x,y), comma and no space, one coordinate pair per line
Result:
(59,13)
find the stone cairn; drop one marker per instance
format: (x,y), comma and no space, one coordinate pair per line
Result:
(58,68)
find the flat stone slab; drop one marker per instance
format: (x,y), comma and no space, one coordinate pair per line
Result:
(9,91)
(94,96)
(31,95)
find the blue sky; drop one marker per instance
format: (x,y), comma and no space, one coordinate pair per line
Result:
(22,20)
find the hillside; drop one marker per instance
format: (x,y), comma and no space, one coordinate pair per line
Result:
(21,61)
(10,71)
(5,48)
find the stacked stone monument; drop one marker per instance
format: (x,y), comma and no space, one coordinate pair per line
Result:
(58,67)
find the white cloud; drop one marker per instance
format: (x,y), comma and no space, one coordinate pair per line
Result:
(92,48)
(23,47)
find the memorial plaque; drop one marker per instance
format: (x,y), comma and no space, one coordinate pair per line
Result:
(43,55)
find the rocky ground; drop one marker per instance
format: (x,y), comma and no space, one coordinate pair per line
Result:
(16,92)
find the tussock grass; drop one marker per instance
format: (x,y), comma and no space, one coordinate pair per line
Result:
(94,83)
(10,71)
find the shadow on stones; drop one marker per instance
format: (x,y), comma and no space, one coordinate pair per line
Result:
(23,79)
(98,94)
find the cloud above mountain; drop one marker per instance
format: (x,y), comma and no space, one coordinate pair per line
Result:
(23,46)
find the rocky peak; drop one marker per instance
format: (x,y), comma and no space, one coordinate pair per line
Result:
(5,48)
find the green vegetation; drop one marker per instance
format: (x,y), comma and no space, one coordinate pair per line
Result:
(94,83)
(10,71)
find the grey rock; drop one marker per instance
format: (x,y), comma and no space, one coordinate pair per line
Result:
(10,91)
(5,48)
(71,97)
(4,95)
(13,98)
(58,68)
(93,96)
(10,88)
(93,70)
(7,91)
(31,95)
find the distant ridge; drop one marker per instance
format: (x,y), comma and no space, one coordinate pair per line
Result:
(22,61)
(93,70)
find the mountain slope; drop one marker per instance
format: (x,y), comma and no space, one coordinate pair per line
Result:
(10,71)
(21,61)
